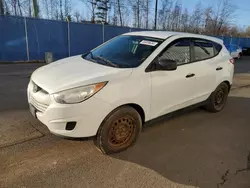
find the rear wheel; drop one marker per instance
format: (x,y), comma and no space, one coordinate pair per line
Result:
(119,130)
(218,98)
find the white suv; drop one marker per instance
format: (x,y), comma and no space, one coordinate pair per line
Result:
(111,91)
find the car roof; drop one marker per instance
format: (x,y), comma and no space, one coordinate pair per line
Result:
(167,34)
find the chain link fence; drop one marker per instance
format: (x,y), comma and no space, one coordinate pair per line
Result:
(28,39)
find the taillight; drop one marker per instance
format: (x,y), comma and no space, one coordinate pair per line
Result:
(232,60)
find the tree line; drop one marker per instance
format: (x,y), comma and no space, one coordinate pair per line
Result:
(171,15)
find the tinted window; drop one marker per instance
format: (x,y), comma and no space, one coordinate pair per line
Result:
(124,51)
(203,50)
(179,52)
(217,48)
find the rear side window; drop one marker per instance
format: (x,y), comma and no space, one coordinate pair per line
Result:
(203,50)
(178,51)
(217,48)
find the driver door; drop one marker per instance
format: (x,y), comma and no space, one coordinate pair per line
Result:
(173,90)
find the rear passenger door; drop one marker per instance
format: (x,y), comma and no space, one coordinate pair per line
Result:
(203,54)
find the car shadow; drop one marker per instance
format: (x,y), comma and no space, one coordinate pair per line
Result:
(195,147)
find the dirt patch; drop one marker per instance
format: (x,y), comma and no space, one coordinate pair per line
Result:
(16,127)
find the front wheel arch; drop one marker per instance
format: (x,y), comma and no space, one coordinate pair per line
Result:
(137,107)
(102,138)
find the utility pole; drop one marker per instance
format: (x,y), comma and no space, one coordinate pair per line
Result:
(156,7)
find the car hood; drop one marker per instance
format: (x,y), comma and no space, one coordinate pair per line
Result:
(74,72)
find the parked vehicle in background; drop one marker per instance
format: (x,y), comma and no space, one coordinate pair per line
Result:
(237,54)
(113,90)
(246,51)
(235,51)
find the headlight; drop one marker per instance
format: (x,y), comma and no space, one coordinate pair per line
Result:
(77,95)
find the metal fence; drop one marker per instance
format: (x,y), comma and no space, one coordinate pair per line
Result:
(25,39)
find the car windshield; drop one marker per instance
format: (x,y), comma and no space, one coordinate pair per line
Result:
(124,51)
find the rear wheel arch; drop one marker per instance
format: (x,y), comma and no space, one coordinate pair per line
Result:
(228,84)
(218,98)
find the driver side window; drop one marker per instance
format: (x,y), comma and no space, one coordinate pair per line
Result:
(179,51)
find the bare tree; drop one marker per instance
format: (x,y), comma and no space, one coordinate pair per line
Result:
(14,6)
(196,18)
(92,5)
(19,8)
(7,11)
(176,15)
(2,7)
(61,9)
(77,16)
(184,21)
(67,8)
(35,8)
(136,9)
(119,11)
(165,14)
(50,8)
(46,8)
(146,9)
(137,6)
(115,12)
(29,7)
(247,31)
(233,31)
(208,20)
(226,13)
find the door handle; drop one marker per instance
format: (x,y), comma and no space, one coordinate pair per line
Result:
(190,75)
(219,68)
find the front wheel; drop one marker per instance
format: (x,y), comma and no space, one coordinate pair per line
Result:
(119,130)
(218,98)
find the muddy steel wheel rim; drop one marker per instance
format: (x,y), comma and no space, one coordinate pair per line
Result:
(121,131)
(219,97)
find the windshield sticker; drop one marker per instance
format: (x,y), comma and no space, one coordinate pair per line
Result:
(148,42)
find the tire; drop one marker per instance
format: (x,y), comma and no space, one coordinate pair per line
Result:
(217,100)
(119,130)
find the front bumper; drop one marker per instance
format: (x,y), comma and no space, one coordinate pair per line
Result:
(88,116)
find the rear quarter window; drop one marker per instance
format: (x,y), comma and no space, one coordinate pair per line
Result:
(217,48)
(203,49)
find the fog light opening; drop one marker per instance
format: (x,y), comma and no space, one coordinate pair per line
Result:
(70,125)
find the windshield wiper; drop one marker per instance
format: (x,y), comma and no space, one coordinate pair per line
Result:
(106,61)
(91,54)
(91,58)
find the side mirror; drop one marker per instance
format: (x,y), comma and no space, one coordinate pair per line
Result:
(166,64)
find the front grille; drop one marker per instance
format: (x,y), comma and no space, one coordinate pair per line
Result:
(39,106)
(38,97)
(35,88)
